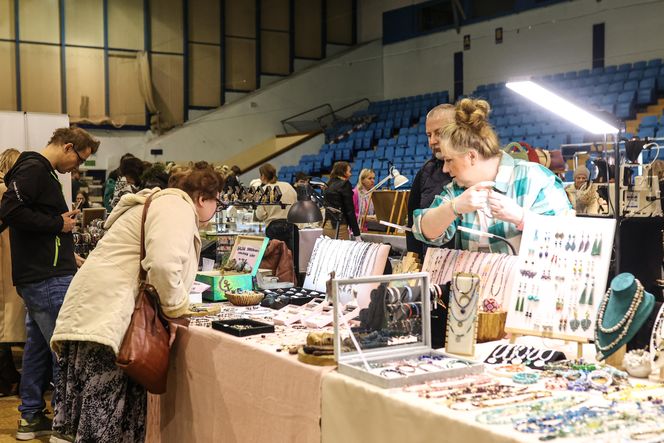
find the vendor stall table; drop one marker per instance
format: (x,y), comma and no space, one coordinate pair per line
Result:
(227,389)
(354,411)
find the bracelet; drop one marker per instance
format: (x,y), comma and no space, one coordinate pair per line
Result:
(600,380)
(454,208)
(519,226)
(406,369)
(525,378)
(454,363)
(385,373)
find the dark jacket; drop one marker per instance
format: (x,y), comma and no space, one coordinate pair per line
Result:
(32,207)
(339,195)
(428,183)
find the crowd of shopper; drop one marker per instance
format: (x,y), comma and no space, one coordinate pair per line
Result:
(80,309)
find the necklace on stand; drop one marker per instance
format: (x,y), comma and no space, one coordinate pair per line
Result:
(469,295)
(626,320)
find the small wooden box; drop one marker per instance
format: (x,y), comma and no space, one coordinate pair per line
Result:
(491,326)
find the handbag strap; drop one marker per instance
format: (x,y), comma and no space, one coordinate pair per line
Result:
(143,274)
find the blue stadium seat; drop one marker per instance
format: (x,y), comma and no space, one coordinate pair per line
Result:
(636,74)
(646,132)
(625,67)
(645,96)
(412,140)
(610,69)
(625,110)
(600,89)
(619,77)
(604,78)
(648,121)
(651,72)
(616,87)
(654,62)
(627,96)
(640,65)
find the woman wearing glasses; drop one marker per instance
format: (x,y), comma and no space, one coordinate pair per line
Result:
(98,306)
(490,191)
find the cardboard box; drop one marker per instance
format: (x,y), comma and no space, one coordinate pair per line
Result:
(246,247)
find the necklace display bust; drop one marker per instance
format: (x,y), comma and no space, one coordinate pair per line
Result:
(624,309)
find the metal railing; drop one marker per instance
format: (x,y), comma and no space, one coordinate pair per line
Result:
(313,120)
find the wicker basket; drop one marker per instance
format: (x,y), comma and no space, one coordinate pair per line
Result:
(244,298)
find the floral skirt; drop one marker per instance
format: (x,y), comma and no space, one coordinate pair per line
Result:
(94,400)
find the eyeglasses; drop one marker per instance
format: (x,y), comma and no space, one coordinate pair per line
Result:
(81,160)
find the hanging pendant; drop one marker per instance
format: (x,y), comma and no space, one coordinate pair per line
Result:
(591,300)
(582,300)
(585,323)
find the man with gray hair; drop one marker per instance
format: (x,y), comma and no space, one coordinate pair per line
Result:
(430,179)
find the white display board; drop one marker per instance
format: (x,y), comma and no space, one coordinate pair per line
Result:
(560,277)
(31,131)
(12,130)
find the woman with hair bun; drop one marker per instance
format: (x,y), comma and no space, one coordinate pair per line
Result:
(490,191)
(95,400)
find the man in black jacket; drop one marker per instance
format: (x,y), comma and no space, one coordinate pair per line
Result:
(43,261)
(430,179)
(429,183)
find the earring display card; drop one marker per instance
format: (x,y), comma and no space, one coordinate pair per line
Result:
(561,277)
(496,271)
(462,314)
(391,345)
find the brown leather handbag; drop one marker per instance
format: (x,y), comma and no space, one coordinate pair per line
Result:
(145,347)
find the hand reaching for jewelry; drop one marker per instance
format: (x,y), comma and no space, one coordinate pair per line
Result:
(504,208)
(473,198)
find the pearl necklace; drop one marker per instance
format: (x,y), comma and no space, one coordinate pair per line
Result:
(636,300)
(656,336)
(628,318)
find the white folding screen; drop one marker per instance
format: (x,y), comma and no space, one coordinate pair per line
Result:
(32,131)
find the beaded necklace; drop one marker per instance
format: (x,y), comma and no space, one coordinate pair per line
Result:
(502,261)
(636,300)
(656,335)
(509,414)
(627,319)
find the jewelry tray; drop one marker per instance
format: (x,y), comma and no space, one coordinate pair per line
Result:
(253,327)
(380,356)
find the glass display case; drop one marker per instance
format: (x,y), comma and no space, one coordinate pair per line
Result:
(388,343)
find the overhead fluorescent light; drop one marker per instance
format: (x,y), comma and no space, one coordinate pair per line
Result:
(562,107)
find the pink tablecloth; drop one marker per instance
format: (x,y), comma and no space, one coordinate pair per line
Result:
(225,389)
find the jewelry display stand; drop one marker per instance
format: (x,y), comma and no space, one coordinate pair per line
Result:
(462,315)
(616,359)
(657,348)
(399,353)
(562,272)
(347,259)
(494,270)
